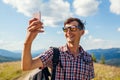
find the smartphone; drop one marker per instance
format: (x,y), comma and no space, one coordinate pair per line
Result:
(37,15)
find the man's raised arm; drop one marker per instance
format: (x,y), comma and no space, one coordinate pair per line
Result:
(35,27)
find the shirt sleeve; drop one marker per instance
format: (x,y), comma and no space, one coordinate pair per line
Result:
(46,58)
(91,70)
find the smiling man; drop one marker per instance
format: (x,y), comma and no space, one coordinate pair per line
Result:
(76,63)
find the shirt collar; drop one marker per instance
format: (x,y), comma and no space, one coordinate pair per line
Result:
(65,48)
(81,50)
(82,54)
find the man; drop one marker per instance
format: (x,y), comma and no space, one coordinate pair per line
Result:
(77,64)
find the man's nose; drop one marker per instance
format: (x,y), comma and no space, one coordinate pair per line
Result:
(68,30)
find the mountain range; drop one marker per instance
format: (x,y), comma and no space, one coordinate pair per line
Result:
(111,55)
(7,56)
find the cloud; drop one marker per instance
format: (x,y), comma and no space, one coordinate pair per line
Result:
(86,32)
(59,32)
(95,40)
(47,42)
(115,6)
(53,11)
(118,29)
(27,7)
(85,7)
(11,45)
(89,42)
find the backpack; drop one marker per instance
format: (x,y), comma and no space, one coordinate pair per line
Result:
(45,74)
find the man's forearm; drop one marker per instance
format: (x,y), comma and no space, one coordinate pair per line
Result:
(26,57)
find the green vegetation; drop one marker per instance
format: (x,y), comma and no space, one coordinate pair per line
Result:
(12,71)
(94,58)
(102,61)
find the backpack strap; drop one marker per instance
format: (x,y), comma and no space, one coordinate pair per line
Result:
(45,73)
(55,61)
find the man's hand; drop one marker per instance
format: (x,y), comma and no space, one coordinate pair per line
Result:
(35,27)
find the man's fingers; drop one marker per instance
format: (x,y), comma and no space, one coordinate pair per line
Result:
(33,28)
(30,21)
(34,19)
(40,30)
(35,25)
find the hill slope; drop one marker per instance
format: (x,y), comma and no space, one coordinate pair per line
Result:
(111,55)
(106,72)
(6,59)
(7,53)
(7,56)
(12,71)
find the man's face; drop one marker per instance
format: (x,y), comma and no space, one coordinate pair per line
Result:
(72,33)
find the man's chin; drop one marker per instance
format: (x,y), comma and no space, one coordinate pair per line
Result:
(70,41)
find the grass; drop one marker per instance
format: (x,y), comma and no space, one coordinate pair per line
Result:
(12,71)
(105,72)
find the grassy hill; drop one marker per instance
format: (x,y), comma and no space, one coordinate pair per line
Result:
(105,72)
(12,71)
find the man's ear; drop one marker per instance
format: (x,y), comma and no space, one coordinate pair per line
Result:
(83,31)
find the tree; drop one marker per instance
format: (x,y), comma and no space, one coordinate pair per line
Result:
(94,58)
(102,60)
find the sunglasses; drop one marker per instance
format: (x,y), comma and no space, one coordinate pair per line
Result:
(71,28)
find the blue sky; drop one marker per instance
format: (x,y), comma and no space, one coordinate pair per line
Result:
(102,19)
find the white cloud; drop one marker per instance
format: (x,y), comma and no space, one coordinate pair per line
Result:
(53,11)
(119,29)
(115,6)
(86,32)
(95,40)
(59,32)
(27,7)
(89,42)
(48,42)
(11,45)
(85,7)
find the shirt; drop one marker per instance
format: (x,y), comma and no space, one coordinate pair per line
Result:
(73,68)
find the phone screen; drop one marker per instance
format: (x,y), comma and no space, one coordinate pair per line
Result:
(37,15)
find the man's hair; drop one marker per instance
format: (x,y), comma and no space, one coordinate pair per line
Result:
(80,23)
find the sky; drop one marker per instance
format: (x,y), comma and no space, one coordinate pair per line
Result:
(101,18)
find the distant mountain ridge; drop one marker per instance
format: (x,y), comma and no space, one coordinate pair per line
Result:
(7,56)
(7,53)
(7,59)
(112,55)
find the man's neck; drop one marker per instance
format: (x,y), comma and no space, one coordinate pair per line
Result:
(74,49)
